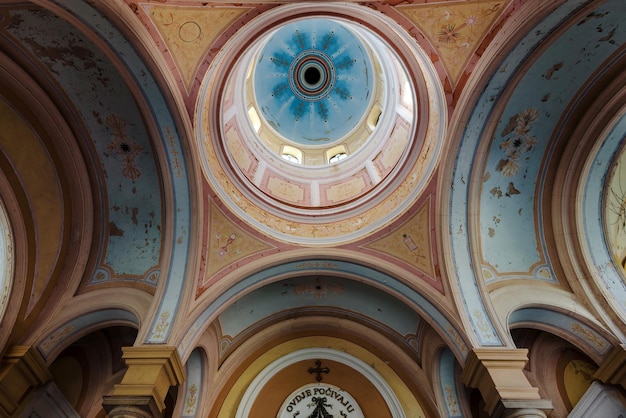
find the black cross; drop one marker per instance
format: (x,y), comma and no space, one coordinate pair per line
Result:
(319,370)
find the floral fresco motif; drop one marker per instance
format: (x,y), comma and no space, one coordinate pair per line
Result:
(318,289)
(455,29)
(228,243)
(162,325)
(452,402)
(588,335)
(517,141)
(124,146)
(58,336)
(190,401)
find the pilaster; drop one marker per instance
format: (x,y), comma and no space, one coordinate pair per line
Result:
(22,370)
(613,369)
(498,373)
(151,372)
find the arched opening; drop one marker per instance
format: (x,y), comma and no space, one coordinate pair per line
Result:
(559,369)
(88,368)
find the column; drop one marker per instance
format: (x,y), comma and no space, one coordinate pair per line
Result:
(600,400)
(151,371)
(22,370)
(498,373)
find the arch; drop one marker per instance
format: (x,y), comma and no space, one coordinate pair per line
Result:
(315,353)
(324,266)
(44,214)
(602,264)
(594,341)
(6,259)
(57,339)
(171,150)
(90,366)
(471,207)
(579,190)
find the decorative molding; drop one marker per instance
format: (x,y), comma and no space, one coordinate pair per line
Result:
(613,369)
(22,369)
(498,374)
(151,372)
(194,391)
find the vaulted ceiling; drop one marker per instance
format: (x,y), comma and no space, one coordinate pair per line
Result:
(134,193)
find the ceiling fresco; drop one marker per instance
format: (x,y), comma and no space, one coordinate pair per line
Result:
(437,239)
(189,32)
(508,172)
(455,29)
(291,216)
(130,189)
(316,292)
(531,118)
(413,242)
(128,176)
(322,267)
(313,81)
(229,245)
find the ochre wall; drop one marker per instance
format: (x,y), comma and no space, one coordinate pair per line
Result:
(280,387)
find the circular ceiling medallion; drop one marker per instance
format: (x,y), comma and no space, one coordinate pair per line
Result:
(313,80)
(320,130)
(312,77)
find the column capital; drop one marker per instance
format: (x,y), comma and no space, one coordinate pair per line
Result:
(22,369)
(498,373)
(152,369)
(613,368)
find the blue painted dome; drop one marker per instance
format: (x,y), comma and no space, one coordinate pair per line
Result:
(313,81)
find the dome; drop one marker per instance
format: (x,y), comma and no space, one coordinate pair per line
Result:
(313,81)
(317,125)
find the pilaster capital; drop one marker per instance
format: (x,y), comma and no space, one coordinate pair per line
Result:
(22,369)
(498,373)
(613,369)
(152,369)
